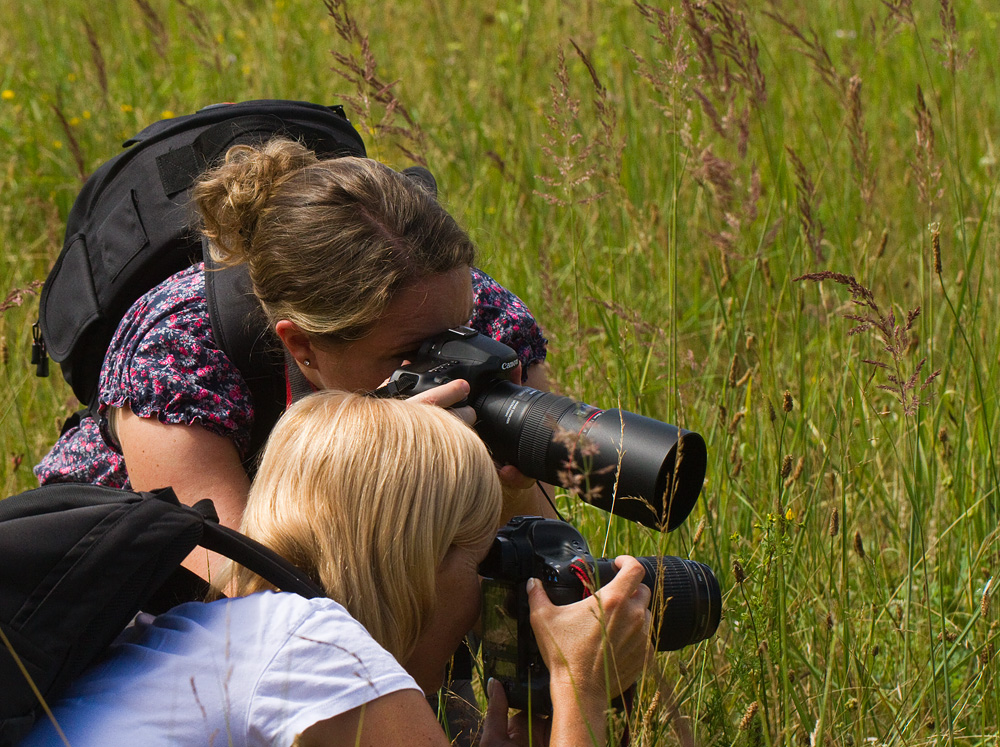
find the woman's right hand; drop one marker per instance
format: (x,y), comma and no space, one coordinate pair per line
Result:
(595,648)
(447,395)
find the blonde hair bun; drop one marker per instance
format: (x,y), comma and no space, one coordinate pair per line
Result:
(231,197)
(328,243)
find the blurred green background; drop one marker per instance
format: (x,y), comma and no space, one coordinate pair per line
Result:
(651,180)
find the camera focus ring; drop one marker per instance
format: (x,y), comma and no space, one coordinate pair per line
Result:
(540,422)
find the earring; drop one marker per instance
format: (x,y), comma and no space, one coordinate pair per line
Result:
(307,362)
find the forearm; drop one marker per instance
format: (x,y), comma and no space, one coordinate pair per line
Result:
(529,501)
(579,642)
(579,719)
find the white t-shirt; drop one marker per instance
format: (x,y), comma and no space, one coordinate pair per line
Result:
(255,670)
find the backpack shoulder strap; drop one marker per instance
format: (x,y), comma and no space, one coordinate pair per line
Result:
(77,562)
(242,333)
(250,553)
(185,586)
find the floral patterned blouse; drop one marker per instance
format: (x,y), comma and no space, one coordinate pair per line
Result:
(163,362)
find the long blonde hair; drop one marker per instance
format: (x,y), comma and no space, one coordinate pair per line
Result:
(328,243)
(367,495)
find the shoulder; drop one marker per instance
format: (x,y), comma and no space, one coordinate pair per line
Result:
(500,314)
(179,287)
(163,362)
(175,310)
(260,668)
(326,665)
(181,290)
(300,628)
(268,616)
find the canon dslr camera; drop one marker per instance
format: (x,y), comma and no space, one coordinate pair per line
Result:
(686,602)
(636,467)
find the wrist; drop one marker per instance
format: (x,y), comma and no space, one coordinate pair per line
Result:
(589,698)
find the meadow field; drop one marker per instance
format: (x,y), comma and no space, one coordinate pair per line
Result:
(770,222)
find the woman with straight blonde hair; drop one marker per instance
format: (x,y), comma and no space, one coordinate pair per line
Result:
(390,506)
(375,496)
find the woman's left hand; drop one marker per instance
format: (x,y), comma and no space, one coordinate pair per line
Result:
(499,730)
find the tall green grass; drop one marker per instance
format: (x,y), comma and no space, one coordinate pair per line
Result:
(653,180)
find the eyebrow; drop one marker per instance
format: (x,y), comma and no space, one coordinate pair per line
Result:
(414,342)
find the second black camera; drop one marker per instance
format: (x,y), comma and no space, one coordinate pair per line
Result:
(686,602)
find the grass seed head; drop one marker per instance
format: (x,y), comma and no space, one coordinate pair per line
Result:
(737,468)
(748,716)
(738,572)
(796,473)
(648,716)
(986,654)
(735,422)
(882,244)
(702,523)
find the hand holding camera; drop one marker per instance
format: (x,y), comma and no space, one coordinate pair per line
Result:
(595,648)
(682,598)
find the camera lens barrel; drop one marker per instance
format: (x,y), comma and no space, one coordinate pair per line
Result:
(636,467)
(686,603)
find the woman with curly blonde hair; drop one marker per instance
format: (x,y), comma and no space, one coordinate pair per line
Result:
(353,265)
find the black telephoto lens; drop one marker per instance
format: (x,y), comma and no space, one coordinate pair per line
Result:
(688,605)
(636,467)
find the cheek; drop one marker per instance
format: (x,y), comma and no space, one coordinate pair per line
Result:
(356,374)
(469,605)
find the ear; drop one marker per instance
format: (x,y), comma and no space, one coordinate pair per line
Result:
(295,340)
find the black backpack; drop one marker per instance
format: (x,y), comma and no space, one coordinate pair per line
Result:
(77,562)
(130,228)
